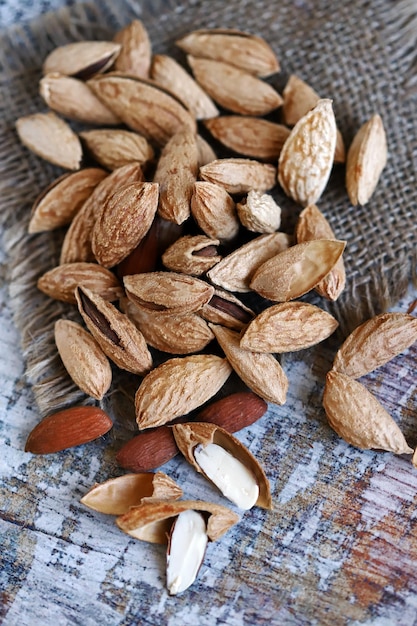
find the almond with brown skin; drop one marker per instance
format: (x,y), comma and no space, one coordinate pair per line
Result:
(116,495)
(148,450)
(123,221)
(297,270)
(68,428)
(59,203)
(116,334)
(83,358)
(235,411)
(61,282)
(357,416)
(179,386)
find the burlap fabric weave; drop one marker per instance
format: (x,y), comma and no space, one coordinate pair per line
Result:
(358,53)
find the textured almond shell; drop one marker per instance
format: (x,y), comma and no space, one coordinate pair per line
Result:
(295,271)
(306,158)
(241,49)
(250,136)
(375,342)
(288,327)
(73,99)
(366,158)
(179,386)
(116,495)
(81,57)
(77,242)
(123,222)
(59,203)
(234,272)
(260,372)
(233,88)
(313,225)
(83,358)
(61,282)
(116,334)
(214,211)
(68,428)
(136,51)
(357,416)
(114,148)
(172,76)
(192,254)
(176,173)
(170,292)
(239,176)
(259,212)
(190,435)
(225,309)
(143,106)
(175,334)
(48,136)
(152,519)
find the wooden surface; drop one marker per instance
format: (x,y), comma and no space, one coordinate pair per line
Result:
(339,548)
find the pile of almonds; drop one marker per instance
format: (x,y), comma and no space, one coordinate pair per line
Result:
(163,241)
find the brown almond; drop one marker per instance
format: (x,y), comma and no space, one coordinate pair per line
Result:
(123,221)
(59,203)
(177,387)
(262,373)
(235,411)
(68,428)
(61,282)
(288,327)
(357,416)
(297,270)
(148,450)
(374,343)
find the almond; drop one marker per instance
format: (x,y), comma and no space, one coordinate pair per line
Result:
(148,450)
(68,428)
(234,412)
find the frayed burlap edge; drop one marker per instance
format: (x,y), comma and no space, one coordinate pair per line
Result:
(29,257)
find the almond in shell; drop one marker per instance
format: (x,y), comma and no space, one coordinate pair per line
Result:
(82,59)
(239,176)
(136,51)
(214,211)
(61,282)
(114,147)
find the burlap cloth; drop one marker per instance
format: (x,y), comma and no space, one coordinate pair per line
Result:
(359,53)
